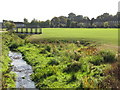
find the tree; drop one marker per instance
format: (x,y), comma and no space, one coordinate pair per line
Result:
(9,25)
(55,22)
(34,23)
(68,23)
(63,21)
(71,16)
(92,21)
(79,18)
(80,25)
(26,21)
(94,25)
(45,24)
(73,24)
(106,24)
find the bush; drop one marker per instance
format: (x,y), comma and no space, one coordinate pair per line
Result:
(13,46)
(72,79)
(48,48)
(108,56)
(43,51)
(23,36)
(74,67)
(96,60)
(53,62)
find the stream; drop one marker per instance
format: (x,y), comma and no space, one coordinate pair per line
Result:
(23,71)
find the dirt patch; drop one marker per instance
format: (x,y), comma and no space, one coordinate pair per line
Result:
(114,48)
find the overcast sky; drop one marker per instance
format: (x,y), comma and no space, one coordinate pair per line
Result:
(16,10)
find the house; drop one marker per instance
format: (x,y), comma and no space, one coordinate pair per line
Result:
(19,24)
(0,25)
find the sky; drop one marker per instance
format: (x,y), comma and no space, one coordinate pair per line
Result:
(42,10)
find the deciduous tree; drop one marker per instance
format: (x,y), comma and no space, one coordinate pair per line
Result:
(9,25)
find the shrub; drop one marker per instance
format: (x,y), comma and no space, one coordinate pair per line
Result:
(23,36)
(74,67)
(85,43)
(53,62)
(48,48)
(85,68)
(96,60)
(72,79)
(113,77)
(108,56)
(13,46)
(42,51)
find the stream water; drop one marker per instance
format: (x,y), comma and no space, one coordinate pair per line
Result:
(23,71)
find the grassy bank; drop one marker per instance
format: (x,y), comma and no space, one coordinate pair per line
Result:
(9,41)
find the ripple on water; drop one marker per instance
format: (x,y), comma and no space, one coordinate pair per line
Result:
(23,71)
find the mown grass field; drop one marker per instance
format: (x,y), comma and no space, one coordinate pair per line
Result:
(101,35)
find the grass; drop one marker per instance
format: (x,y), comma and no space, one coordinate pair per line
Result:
(101,35)
(4,29)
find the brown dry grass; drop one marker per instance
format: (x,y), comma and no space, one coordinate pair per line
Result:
(114,48)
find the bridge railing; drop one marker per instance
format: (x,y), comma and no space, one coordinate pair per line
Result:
(28,30)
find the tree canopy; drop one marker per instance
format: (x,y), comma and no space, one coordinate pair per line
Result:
(104,20)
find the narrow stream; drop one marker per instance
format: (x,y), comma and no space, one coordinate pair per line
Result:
(23,71)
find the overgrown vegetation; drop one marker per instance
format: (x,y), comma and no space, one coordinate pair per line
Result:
(67,65)
(62,63)
(9,41)
(9,25)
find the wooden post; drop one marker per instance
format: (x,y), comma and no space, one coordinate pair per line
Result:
(36,30)
(31,30)
(16,30)
(21,29)
(26,30)
(40,30)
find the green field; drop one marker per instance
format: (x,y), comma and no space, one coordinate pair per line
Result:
(102,35)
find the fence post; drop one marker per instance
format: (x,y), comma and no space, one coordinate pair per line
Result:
(40,30)
(16,29)
(26,30)
(21,29)
(31,30)
(36,30)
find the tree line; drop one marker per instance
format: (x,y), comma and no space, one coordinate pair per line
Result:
(77,21)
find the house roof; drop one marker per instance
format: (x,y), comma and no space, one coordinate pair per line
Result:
(18,22)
